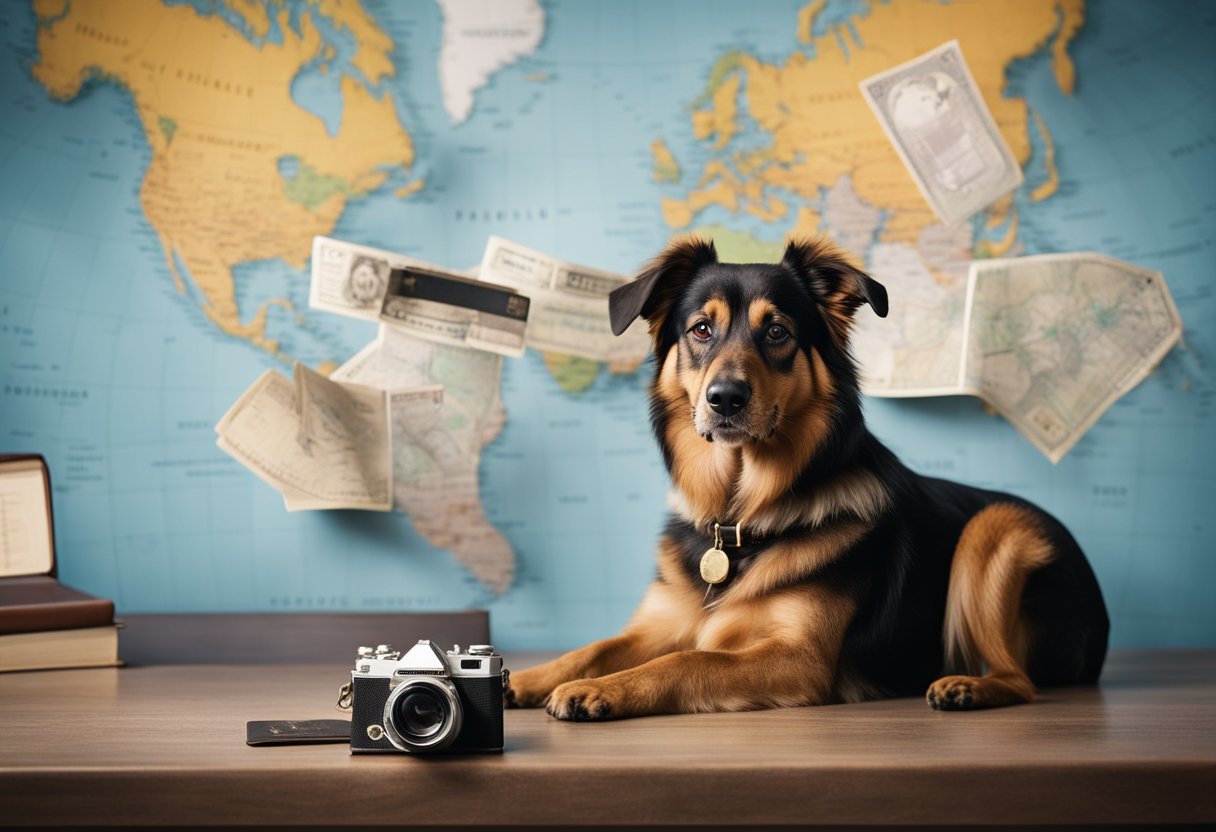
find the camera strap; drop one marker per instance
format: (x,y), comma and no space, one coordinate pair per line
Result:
(346,696)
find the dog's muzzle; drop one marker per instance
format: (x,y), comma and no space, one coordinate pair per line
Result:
(728,396)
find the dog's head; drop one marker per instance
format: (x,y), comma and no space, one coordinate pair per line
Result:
(747,351)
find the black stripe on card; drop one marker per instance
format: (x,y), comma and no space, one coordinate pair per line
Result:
(418,284)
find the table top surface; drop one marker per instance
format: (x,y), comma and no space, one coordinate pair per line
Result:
(1138,747)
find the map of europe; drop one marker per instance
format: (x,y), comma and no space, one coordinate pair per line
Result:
(168,164)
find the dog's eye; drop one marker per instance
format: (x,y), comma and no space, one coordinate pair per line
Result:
(776,333)
(702,331)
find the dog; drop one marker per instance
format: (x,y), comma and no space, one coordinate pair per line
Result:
(802,563)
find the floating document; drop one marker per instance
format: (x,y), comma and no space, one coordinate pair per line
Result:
(408,411)
(569,303)
(437,443)
(450,309)
(933,112)
(434,303)
(350,279)
(1054,340)
(321,443)
(1050,341)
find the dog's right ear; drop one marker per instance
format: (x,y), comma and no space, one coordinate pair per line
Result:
(654,291)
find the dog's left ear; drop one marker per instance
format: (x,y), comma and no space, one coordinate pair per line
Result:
(838,285)
(654,291)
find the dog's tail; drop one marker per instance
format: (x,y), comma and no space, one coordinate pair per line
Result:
(984,631)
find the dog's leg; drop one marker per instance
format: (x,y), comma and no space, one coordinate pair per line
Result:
(662,623)
(530,688)
(777,651)
(997,551)
(772,673)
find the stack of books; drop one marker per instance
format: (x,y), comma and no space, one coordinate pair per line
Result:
(44,623)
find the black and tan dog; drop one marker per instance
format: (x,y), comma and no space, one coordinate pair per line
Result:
(802,563)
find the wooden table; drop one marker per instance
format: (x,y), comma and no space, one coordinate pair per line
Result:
(166,745)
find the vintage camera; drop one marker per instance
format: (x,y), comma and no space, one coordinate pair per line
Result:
(427,701)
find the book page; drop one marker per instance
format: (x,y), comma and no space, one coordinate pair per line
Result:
(25,524)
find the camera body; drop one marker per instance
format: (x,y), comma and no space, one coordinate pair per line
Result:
(427,701)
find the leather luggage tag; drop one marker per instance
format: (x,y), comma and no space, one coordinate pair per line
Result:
(290,732)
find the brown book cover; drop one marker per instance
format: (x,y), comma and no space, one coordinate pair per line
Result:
(40,602)
(32,598)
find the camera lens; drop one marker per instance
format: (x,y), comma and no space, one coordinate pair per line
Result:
(420,713)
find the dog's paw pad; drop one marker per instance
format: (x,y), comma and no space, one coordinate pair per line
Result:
(579,702)
(953,693)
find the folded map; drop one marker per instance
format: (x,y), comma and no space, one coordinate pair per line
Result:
(1049,341)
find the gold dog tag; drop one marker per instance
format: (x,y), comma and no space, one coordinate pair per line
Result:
(715,566)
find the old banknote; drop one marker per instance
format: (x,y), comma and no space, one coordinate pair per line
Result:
(1052,341)
(321,443)
(934,114)
(448,308)
(569,303)
(351,279)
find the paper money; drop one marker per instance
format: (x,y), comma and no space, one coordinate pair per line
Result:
(569,303)
(321,443)
(448,308)
(351,279)
(934,114)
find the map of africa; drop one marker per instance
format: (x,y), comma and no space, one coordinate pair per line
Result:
(166,166)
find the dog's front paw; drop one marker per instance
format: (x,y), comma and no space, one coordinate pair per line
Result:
(528,688)
(952,693)
(586,700)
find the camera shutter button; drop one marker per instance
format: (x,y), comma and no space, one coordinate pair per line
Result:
(481,650)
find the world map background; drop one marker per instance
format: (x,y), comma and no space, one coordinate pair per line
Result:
(118,376)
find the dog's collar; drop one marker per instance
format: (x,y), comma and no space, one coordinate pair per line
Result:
(728,537)
(716,562)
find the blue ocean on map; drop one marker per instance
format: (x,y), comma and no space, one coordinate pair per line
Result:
(118,376)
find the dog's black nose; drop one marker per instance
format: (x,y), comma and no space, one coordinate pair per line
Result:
(727,396)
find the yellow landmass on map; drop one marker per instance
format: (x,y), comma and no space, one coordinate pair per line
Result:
(664,166)
(572,373)
(806,20)
(373,45)
(218,114)
(807,224)
(1004,245)
(740,246)
(256,17)
(820,125)
(998,212)
(410,188)
(718,122)
(1052,183)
